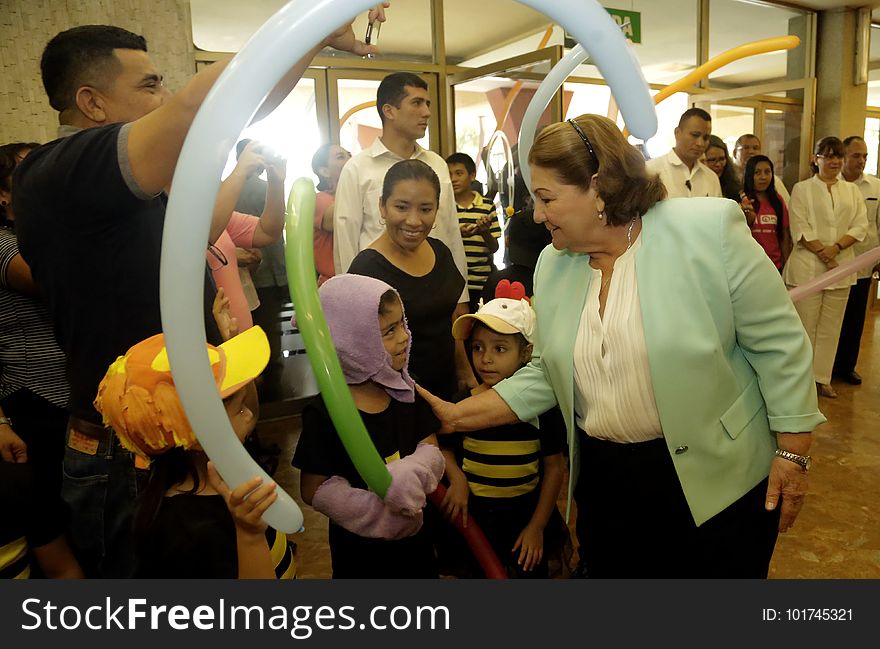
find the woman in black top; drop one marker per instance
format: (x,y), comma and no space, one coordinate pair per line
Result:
(420,268)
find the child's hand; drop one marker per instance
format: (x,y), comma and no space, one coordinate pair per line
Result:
(484,223)
(226,323)
(247,502)
(406,495)
(531,546)
(467,229)
(455,501)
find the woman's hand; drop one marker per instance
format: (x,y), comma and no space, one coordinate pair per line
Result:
(531,546)
(788,481)
(748,209)
(276,169)
(247,502)
(248,257)
(443,410)
(828,253)
(252,160)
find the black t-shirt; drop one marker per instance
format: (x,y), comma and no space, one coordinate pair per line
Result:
(396,432)
(193,537)
(429,302)
(93,242)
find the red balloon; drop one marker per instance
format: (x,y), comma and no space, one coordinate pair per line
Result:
(476,540)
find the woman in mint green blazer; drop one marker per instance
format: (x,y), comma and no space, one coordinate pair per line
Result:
(685,384)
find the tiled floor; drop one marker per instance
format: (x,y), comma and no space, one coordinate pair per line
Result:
(837,534)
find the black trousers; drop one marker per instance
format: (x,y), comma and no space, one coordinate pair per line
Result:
(633,520)
(43,427)
(851,329)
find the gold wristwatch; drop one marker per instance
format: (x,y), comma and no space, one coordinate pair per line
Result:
(803,461)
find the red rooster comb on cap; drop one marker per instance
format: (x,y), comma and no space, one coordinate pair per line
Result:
(513,291)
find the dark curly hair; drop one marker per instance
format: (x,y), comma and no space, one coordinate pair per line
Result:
(9,159)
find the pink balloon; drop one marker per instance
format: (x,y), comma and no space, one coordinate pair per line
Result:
(866,259)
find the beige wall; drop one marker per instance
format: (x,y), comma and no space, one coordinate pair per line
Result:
(27,25)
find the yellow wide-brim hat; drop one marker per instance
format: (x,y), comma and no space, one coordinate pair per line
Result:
(138,399)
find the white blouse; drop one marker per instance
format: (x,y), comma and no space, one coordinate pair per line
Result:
(817,214)
(613,396)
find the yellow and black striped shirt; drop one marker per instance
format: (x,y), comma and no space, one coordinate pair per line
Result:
(476,252)
(505,461)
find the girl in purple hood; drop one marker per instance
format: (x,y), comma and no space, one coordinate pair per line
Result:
(371,537)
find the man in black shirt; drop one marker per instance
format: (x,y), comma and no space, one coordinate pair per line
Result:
(90,212)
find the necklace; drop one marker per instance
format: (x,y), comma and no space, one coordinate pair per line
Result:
(629,244)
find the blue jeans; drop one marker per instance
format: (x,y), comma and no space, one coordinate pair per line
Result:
(101,491)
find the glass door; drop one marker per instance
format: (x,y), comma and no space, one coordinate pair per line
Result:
(489,105)
(775,113)
(780,136)
(295,129)
(486,95)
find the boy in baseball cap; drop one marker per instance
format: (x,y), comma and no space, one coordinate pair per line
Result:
(508,477)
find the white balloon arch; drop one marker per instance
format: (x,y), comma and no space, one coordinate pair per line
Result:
(229,107)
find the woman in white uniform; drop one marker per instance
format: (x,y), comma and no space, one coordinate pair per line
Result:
(827,216)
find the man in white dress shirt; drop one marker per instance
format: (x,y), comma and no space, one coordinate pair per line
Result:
(749,145)
(681,170)
(855,155)
(404,107)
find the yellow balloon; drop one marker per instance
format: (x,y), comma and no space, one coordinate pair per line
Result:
(731,55)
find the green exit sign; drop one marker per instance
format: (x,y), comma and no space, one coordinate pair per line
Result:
(630,23)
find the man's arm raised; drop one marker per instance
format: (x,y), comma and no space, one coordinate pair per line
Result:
(155,140)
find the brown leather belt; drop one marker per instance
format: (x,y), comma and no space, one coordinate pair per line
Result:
(89,429)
